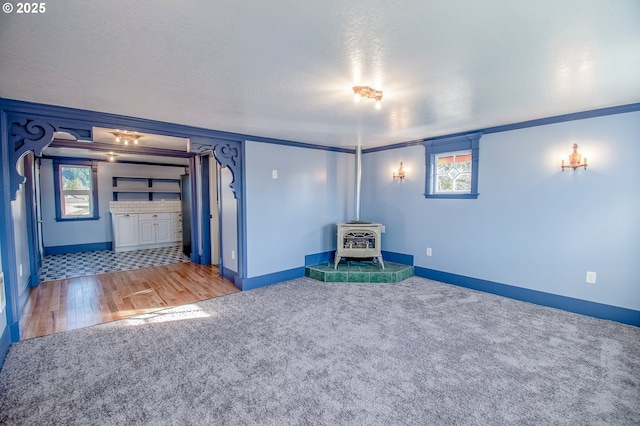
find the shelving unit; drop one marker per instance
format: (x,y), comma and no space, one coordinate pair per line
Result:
(145,185)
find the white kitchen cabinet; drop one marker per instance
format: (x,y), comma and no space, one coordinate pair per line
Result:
(125,227)
(137,231)
(176,226)
(155,228)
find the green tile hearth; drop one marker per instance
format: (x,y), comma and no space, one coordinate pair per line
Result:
(359,272)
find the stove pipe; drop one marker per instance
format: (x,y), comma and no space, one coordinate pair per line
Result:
(358,180)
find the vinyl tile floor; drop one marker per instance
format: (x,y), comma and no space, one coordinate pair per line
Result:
(72,265)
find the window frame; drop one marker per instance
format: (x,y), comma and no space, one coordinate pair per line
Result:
(453,144)
(58,164)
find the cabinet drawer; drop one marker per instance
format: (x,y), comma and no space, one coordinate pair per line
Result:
(176,216)
(154,216)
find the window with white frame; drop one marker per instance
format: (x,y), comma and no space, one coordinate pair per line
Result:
(76,190)
(452,166)
(453,172)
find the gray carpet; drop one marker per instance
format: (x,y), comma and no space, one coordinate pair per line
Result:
(307,352)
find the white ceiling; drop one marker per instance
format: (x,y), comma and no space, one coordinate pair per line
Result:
(284,69)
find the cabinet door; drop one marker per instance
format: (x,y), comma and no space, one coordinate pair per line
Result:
(126,230)
(147,231)
(164,232)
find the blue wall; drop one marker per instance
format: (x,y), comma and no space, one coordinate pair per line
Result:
(295,214)
(532,226)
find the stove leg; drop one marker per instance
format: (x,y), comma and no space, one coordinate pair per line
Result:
(381,262)
(336,260)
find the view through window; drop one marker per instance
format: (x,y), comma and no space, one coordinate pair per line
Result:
(76,191)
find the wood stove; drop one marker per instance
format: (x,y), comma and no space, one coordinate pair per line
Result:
(360,240)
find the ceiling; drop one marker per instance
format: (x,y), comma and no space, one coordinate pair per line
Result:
(285,69)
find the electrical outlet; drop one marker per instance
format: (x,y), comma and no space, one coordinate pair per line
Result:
(591,277)
(233,254)
(274,174)
(429,252)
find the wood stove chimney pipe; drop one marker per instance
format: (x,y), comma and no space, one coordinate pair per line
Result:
(358,179)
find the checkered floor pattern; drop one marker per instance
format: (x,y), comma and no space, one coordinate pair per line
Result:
(71,265)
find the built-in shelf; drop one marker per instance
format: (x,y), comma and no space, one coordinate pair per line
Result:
(145,185)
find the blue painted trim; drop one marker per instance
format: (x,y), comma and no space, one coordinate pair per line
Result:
(32,223)
(300,144)
(457,143)
(453,196)
(195,241)
(34,281)
(394,146)
(57,163)
(205,185)
(23,297)
(268,279)
(229,274)
(404,259)
(318,258)
(5,342)
(100,119)
(578,306)
(220,258)
(146,163)
(242,214)
(78,248)
(582,115)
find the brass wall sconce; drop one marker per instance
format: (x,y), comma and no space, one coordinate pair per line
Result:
(575,160)
(399,173)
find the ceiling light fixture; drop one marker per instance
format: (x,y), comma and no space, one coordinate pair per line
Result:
(126,137)
(112,156)
(367,92)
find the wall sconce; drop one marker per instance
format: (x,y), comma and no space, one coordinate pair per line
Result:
(399,173)
(126,137)
(575,160)
(367,92)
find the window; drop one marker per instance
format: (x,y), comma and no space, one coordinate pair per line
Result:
(76,190)
(452,166)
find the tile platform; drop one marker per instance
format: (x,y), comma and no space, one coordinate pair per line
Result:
(359,272)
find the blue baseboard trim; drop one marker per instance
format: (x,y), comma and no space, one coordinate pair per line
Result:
(268,279)
(77,248)
(404,259)
(230,275)
(318,258)
(5,342)
(14,331)
(570,304)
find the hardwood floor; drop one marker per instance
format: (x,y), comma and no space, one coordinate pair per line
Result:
(73,303)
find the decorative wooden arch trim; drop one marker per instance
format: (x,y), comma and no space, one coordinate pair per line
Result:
(32,134)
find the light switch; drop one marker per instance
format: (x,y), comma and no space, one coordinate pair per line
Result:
(274,174)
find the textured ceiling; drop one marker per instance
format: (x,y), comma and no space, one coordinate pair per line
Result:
(284,69)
